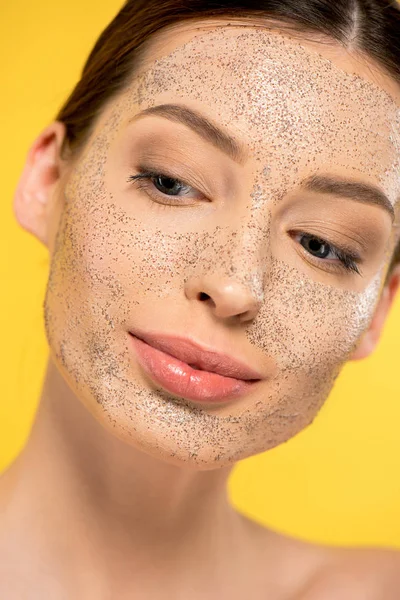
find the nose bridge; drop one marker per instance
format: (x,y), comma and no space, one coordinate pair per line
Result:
(245,242)
(231,272)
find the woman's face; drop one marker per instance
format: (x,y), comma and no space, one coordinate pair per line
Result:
(226,255)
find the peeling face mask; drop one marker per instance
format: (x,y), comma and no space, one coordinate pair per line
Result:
(240,234)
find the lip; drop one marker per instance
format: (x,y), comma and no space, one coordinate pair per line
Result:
(168,361)
(199,356)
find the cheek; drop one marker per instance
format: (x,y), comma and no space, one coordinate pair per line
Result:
(146,261)
(109,261)
(311,328)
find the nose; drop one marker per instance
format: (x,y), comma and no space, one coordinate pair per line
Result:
(226,296)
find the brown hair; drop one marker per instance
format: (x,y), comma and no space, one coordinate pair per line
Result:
(368,26)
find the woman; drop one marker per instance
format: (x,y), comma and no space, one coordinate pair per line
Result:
(219,198)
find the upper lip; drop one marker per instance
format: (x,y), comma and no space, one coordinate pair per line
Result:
(197,355)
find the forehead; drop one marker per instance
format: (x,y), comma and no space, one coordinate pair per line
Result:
(281,97)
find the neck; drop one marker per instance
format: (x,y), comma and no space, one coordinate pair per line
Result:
(75,481)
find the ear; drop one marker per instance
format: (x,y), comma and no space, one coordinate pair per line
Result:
(34,196)
(371,336)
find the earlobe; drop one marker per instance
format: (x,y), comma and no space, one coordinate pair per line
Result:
(34,195)
(371,336)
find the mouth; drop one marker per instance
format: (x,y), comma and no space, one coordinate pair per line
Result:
(199,357)
(187,369)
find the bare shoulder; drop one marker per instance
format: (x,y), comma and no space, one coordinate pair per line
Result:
(304,570)
(357,574)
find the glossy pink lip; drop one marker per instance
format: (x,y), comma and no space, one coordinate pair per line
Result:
(198,356)
(157,357)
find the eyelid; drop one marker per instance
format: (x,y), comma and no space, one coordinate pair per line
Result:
(148,172)
(343,253)
(363,232)
(341,247)
(164,172)
(192,179)
(349,260)
(145,182)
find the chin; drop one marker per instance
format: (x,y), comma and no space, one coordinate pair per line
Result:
(163,446)
(130,410)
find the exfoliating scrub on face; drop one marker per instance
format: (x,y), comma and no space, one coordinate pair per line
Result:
(224,256)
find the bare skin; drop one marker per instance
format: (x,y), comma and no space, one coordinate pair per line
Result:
(59,541)
(87,513)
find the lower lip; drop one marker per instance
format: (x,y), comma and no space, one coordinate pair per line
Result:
(179,378)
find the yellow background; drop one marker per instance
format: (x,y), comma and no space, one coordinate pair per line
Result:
(336,482)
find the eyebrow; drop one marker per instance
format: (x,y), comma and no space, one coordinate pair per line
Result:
(355,190)
(200,125)
(323,184)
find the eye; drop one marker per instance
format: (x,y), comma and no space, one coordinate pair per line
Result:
(170,186)
(322,250)
(316,246)
(159,185)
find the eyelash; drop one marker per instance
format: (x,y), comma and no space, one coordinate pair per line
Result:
(349,260)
